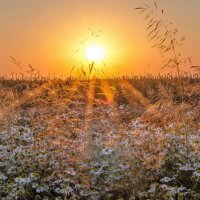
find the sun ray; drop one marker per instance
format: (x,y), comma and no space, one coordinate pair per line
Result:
(31,94)
(89,110)
(109,92)
(133,94)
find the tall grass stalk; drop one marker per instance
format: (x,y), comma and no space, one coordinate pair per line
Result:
(165,38)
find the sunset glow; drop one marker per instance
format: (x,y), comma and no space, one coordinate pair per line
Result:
(98,97)
(110,31)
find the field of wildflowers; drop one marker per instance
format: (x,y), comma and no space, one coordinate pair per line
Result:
(120,138)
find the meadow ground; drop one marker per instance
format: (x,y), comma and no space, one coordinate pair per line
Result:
(120,138)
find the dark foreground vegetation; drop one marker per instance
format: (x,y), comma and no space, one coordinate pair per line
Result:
(118,138)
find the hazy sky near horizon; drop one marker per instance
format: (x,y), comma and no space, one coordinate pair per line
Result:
(46,33)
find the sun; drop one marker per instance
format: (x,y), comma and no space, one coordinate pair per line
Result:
(95,52)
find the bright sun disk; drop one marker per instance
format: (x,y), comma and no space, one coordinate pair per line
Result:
(95,53)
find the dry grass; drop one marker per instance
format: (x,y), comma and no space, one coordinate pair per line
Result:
(99,138)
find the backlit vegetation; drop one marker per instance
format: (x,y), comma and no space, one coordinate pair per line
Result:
(117,138)
(113,138)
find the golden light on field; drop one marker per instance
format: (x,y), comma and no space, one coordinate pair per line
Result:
(95,52)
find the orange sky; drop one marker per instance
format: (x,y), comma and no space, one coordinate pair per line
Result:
(46,34)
